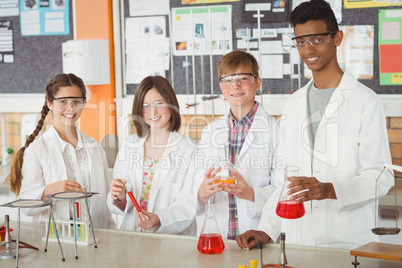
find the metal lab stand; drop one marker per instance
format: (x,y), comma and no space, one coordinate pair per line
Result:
(73,195)
(31,203)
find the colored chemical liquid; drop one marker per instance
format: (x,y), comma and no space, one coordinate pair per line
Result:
(210,244)
(289,209)
(227,180)
(136,205)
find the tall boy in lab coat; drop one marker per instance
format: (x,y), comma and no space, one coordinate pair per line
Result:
(250,137)
(334,130)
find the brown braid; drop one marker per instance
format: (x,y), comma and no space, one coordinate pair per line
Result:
(15,177)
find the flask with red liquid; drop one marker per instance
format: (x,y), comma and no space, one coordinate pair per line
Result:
(287,207)
(210,241)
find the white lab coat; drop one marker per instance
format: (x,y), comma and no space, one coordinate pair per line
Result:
(255,163)
(170,196)
(44,165)
(350,142)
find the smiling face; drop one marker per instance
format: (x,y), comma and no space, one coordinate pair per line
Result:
(64,118)
(241,97)
(155,111)
(320,59)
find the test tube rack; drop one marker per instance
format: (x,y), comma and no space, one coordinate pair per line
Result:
(66,232)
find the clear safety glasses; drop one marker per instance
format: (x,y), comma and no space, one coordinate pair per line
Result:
(242,79)
(316,40)
(159,105)
(64,102)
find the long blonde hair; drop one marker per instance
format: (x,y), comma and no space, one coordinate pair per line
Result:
(59,81)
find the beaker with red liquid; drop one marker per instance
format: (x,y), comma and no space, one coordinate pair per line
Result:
(287,207)
(210,241)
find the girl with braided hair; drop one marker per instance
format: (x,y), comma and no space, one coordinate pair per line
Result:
(62,158)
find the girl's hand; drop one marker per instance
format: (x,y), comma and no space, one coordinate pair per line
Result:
(147,220)
(207,187)
(62,186)
(118,189)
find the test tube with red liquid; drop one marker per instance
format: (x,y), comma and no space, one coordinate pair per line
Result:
(136,205)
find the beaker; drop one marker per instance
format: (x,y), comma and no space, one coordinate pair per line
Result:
(287,207)
(210,241)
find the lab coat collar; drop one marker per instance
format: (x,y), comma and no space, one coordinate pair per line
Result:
(348,82)
(52,133)
(173,141)
(221,128)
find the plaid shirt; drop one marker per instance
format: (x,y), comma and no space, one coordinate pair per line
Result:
(237,135)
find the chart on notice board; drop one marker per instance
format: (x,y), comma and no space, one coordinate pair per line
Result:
(202,30)
(390,46)
(45,17)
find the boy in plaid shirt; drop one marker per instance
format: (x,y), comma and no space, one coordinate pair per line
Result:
(249,136)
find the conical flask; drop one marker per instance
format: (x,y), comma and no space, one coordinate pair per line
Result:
(210,241)
(287,207)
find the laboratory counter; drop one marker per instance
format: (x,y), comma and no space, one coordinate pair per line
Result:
(130,249)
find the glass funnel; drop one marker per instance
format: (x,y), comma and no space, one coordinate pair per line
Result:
(210,241)
(287,207)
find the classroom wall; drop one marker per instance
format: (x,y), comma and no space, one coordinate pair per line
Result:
(94,20)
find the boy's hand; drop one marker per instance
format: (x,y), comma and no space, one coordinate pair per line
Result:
(240,189)
(250,238)
(207,187)
(309,188)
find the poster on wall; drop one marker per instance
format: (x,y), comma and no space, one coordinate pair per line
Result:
(9,8)
(147,48)
(143,8)
(44,17)
(202,30)
(6,42)
(276,56)
(356,52)
(390,46)
(270,10)
(371,3)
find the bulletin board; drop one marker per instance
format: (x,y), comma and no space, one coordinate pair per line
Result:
(183,76)
(37,60)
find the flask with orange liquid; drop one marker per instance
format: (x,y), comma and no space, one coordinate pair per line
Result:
(210,241)
(226,166)
(287,207)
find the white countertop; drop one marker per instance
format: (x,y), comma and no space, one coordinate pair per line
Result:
(130,249)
